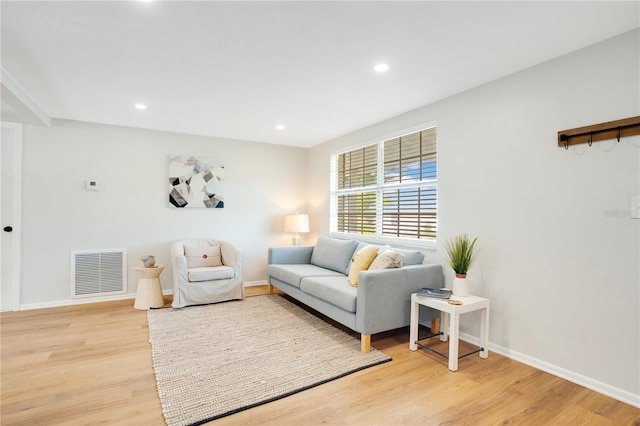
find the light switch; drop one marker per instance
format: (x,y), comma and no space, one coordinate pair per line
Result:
(635,207)
(93,185)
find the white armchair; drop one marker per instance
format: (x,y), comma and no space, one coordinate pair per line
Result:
(206,271)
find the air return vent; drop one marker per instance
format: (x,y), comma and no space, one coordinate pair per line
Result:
(98,272)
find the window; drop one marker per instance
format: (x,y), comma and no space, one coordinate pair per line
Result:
(387,190)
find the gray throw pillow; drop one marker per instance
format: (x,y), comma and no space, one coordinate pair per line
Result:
(334,254)
(411,257)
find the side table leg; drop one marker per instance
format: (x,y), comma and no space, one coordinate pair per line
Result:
(413,324)
(444,327)
(453,341)
(484,333)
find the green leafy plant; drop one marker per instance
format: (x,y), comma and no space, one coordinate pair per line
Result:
(461,253)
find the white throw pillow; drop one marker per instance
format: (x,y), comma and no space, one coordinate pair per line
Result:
(200,257)
(387,258)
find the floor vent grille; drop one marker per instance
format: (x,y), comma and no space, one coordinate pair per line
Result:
(98,272)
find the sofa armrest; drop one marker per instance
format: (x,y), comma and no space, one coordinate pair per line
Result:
(291,255)
(384,296)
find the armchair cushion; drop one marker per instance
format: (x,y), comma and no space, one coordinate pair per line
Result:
(199,257)
(210,273)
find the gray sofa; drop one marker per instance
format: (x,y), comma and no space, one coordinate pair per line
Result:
(318,277)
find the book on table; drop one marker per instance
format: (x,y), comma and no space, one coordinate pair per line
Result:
(439,293)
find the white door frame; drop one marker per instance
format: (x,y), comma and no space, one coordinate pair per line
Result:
(15,130)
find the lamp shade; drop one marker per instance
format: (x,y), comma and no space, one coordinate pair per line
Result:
(296,223)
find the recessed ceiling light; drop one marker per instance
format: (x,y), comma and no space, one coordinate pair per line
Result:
(381,67)
(280,126)
(141,106)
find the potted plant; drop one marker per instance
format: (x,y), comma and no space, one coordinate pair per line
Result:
(461,253)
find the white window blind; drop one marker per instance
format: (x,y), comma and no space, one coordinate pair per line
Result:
(357,182)
(388,190)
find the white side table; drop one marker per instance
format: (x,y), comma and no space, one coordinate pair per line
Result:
(450,318)
(149,293)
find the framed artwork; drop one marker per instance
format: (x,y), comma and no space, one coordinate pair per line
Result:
(196,182)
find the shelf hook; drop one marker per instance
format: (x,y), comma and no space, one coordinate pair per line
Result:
(566,144)
(590,139)
(618,137)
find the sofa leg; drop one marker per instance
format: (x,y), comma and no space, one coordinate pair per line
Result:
(270,289)
(435,325)
(365,343)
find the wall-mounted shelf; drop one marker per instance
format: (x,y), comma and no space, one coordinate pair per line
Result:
(599,132)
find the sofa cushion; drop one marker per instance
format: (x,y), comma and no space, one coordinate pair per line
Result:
(411,257)
(335,290)
(199,257)
(334,254)
(211,273)
(361,261)
(292,274)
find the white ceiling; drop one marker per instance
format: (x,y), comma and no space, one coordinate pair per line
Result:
(236,69)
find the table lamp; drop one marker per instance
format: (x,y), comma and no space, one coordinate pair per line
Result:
(296,223)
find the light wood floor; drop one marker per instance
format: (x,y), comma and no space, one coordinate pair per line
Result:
(91,364)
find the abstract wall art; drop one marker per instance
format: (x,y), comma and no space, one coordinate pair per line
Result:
(196,182)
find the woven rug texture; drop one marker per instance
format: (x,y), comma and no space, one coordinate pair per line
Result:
(214,360)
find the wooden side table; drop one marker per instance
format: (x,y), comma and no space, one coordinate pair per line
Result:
(149,294)
(450,318)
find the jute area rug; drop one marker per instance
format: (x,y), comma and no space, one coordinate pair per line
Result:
(215,360)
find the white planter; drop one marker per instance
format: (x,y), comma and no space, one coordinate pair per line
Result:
(460,286)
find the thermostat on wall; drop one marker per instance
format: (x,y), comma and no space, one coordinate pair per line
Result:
(93,185)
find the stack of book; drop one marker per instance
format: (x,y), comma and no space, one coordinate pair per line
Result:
(438,293)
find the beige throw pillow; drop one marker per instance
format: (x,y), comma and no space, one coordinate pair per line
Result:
(387,258)
(361,262)
(200,257)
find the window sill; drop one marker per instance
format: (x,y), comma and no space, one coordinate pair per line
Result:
(394,242)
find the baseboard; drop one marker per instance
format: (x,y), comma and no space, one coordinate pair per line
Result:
(255,283)
(70,302)
(59,303)
(85,300)
(587,382)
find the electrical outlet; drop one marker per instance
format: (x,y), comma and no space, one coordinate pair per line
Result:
(635,207)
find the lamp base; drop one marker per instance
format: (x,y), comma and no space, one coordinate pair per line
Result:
(296,241)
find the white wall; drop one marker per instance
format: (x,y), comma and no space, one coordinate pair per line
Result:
(263,183)
(553,225)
